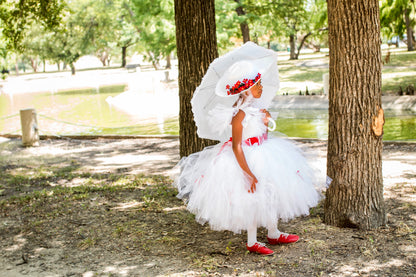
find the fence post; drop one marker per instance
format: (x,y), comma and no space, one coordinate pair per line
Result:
(326,83)
(30,134)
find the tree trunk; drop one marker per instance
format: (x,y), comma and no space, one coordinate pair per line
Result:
(355,196)
(245,30)
(123,56)
(16,67)
(34,64)
(196,48)
(103,60)
(409,31)
(301,44)
(72,66)
(292,40)
(168,63)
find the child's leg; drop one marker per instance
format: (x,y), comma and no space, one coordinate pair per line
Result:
(252,244)
(251,235)
(272,231)
(274,236)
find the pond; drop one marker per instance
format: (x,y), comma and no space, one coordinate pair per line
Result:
(89,112)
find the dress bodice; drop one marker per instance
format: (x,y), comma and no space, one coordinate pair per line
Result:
(253,125)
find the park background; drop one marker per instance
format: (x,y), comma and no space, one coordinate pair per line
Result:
(110,67)
(104,207)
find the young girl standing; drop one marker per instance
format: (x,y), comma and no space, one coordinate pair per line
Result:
(249,179)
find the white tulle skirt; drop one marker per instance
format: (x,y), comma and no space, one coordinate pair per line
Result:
(216,188)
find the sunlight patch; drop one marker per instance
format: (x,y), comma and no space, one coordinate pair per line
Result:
(128,205)
(174,209)
(123,271)
(131,159)
(376,265)
(20,241)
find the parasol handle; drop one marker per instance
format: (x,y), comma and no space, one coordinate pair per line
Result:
(271,129)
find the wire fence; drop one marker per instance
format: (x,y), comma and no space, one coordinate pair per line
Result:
(88,130)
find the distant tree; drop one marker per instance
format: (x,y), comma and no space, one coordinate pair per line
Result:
(245,30)
(155,21)
(6,58)
(355,196)
(125,31)
(290,19)
(397,18)
(319,21)
(197,48)
(77,36)
(227,22)
(17,16)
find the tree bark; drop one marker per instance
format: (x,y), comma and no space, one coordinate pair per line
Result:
(292,40)
(409,31)
(245,30)
(123,56)
(196,48)
(355,196)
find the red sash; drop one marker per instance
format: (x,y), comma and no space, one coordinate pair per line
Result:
(250,141)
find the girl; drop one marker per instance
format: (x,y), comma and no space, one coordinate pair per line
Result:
(251,180)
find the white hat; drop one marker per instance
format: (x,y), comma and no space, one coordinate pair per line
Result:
(239,77)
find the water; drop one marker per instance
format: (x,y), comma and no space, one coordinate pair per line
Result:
(400,125)
(86,112)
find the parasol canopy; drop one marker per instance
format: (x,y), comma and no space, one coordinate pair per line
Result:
(205,97)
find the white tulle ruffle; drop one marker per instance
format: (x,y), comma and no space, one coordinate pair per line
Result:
(216,188)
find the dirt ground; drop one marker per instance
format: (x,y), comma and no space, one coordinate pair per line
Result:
(106,208)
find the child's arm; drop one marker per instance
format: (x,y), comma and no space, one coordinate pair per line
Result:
(237,134)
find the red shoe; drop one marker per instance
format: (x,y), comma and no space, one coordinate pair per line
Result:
(260,248)
(283,238)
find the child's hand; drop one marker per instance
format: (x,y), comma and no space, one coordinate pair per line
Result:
(266,116)
(253,185)
(266,112)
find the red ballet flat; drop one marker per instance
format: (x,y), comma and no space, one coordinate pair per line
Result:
(283,238)
(260,248)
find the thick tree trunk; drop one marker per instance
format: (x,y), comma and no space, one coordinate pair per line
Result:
(123,56)
(409,30)
(292,40)
(196,47)
(245,30)
(355,196)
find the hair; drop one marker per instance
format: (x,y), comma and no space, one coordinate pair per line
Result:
(243,97)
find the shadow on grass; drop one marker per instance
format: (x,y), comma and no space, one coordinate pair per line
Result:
(102,219)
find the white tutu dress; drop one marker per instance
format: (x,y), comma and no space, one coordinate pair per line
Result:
(216,188)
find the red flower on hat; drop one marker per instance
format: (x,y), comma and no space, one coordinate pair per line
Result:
(240,86)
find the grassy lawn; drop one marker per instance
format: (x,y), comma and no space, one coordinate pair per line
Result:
(307,72)
(60,220)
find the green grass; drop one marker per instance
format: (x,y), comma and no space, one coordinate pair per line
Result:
(401,57)
(296,77)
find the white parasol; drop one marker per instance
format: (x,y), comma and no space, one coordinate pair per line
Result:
(205,98)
